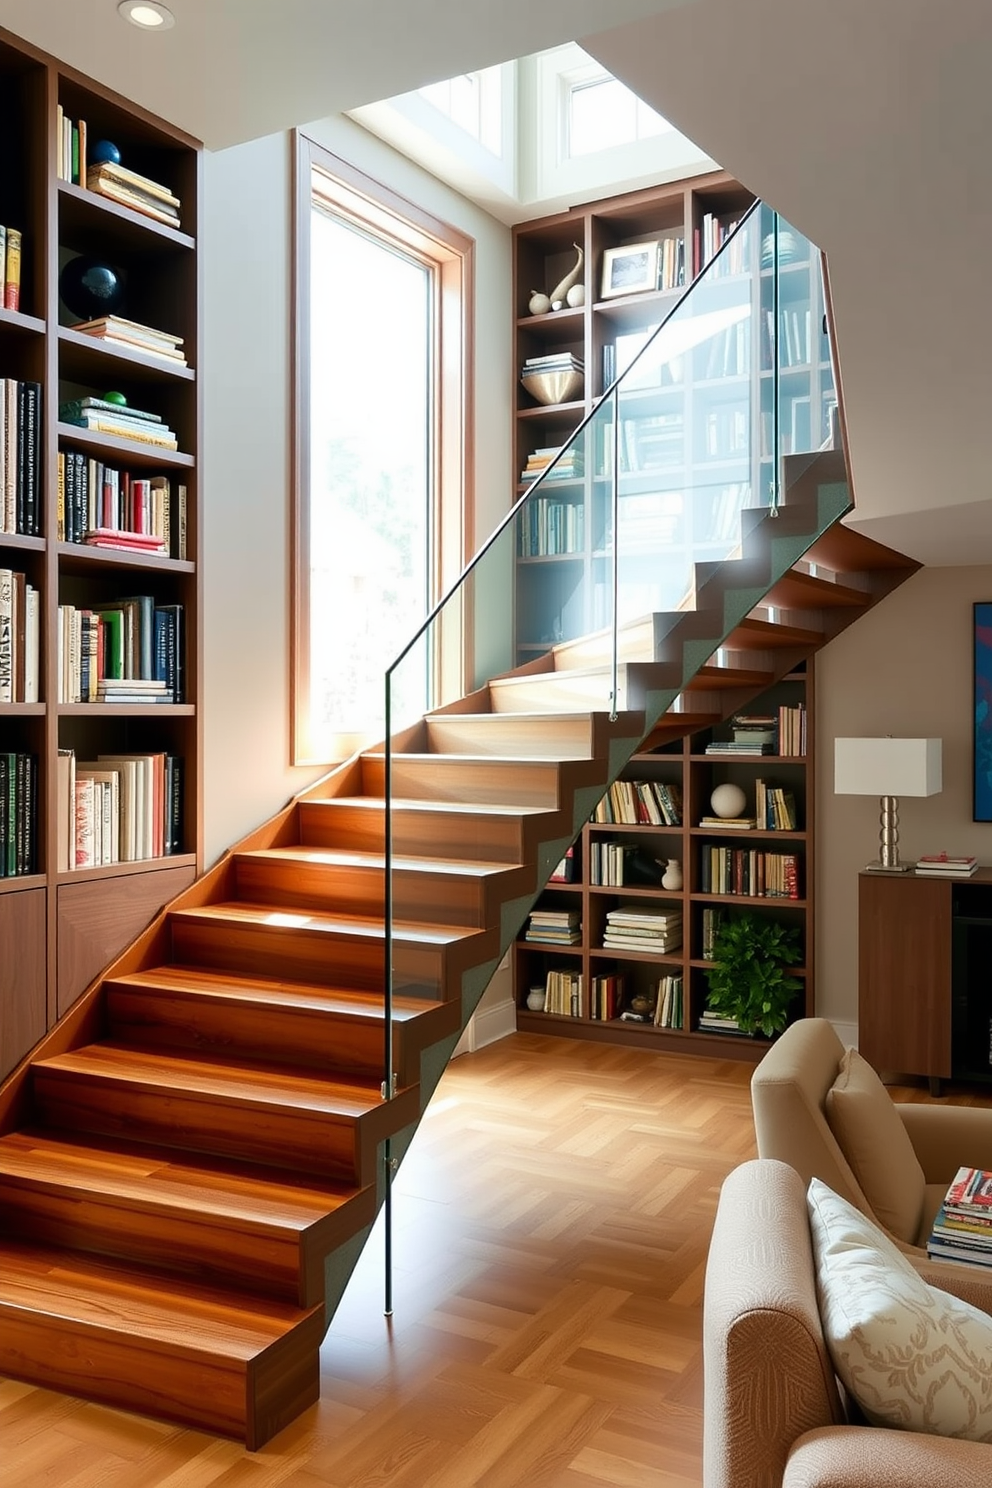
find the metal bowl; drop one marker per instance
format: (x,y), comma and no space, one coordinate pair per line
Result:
(553,387)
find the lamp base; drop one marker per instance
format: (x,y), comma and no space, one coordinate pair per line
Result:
(877,867)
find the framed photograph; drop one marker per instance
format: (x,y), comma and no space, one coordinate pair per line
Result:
(631,269)
(983,713)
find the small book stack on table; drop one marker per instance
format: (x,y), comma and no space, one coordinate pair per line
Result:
(940,865)
(962,1229)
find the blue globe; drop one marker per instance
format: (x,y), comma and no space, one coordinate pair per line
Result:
(102,151)
(91,288)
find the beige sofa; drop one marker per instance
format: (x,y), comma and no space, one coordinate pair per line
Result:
(822,1109)
(774,1416)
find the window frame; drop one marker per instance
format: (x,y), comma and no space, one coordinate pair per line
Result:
(450,253)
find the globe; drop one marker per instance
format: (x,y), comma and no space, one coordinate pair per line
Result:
(91,288)
(104,151)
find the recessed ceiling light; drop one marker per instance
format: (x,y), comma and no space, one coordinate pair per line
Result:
(147,14)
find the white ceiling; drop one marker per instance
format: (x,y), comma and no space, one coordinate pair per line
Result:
(866,124)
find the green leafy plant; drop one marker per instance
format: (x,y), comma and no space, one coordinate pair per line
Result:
(748,980)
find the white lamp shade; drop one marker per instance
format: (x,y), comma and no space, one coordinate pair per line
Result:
(887,767)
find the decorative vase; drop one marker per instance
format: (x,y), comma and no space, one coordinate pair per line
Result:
(572,277)
(672,876)
(91,288)
(536,998)
(538,304)
(728,800)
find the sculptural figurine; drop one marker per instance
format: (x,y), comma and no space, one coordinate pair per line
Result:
(561,289)
(538,304)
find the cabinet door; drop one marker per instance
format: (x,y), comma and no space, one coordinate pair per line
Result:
(22,975)
(904,992)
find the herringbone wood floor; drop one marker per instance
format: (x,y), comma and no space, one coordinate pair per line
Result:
(550,1231)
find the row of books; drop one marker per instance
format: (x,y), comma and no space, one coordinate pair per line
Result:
(748,872)
(20,638)
(669,1009)
(614,865)
(606,996)
(70,148)
(554,927)
(115,330)
(794,344)
(119,419)
(630,927)
(710,237)
(563,993)
(18,814)
(727,353)
(117,809)
(10,267)
(641,803)
(105,507)
(128,652)
(547,527)
(20,457)
(650,443)
(774,808)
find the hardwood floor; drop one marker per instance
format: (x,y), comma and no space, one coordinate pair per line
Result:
(550,1229)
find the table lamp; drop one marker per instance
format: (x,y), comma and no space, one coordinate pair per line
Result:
(887,768)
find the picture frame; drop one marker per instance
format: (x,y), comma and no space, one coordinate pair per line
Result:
(631,269)
(982,713)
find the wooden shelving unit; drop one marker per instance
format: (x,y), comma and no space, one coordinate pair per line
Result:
(63,927)
(686,765)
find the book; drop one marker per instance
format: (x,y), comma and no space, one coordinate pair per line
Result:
(124,429)
(119,325)
(112,170)
(942,865)
(75,406)
(731,823)
(12,270)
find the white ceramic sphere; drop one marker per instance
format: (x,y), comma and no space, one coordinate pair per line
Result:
(576,296)
(728,800)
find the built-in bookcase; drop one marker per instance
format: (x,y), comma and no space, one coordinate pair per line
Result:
(60,925)
(720,873)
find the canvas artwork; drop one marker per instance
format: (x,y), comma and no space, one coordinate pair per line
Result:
(983,712)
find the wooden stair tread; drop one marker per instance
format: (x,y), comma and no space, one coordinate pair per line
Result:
(320,922)
(164,1180)
(338,1001)
(352,858)
(250,1085)
(713,675)
(766,634)
(181,1315)
(798,590)
(418,804)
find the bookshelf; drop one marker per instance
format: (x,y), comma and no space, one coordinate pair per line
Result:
(690,775)
(695,437)
(65,923)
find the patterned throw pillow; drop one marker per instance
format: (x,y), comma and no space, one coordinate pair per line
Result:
(911,1355)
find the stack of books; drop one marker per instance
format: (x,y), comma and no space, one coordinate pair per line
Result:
(631,928)
(555,926)
(733,823)
(753,733)
(555,361)
(115,330)
(711,1022)
(962,1229)
(138,192)
(569,464)
(940,865)
(119,419)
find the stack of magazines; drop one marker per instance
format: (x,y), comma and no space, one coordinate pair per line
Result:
(962,1229)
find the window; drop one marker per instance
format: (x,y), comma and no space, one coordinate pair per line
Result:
(474,102)
(604,113)
(382,291)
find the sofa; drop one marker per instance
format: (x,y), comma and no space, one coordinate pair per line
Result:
(775,1415)
(821,1108)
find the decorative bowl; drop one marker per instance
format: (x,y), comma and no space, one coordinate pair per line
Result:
(553,387)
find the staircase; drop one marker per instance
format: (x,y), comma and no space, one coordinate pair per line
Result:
(191,1161)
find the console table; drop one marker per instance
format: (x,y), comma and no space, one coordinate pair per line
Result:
(924,987)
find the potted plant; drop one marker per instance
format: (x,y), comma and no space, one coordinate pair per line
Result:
(748,979)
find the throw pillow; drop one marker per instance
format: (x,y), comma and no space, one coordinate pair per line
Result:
(871,1135)
(911,1355)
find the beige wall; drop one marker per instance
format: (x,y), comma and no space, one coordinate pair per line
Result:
(248,430)
(904,669)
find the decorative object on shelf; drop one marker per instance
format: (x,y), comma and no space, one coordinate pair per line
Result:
(728,800)
(576,296)
(564,286)
(642,1005)
(556,378)
(536,998)
(89,287)
(672,876)
(887,768)
(538,304)
(748,981)
(630,270)
(982,777)
(788,248)
(103,151)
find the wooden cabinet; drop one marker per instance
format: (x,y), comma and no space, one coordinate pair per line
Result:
(695,436)
(69,231)
(720,871)
(924,1004)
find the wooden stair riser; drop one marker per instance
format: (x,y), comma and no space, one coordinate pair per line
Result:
(180,1239)
(530,738)
(298,1139)
(463,833)
(421,892)
(495,781)
(315,1034)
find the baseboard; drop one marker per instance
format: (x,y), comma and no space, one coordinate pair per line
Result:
(487,1026)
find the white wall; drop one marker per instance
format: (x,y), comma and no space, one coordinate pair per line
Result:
(248,430)
(904,669)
